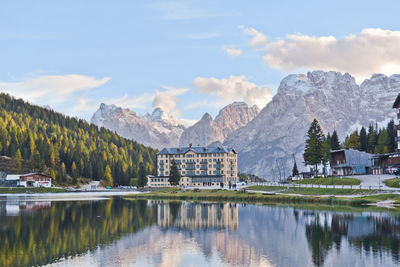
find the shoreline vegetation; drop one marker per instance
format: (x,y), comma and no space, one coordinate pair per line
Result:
(361,198)
(30,190)
(330,181)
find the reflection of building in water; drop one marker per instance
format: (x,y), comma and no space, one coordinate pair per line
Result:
(194,215)
(14,208)
(237,252)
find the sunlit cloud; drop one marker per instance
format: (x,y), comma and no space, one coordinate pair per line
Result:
(234,88)
(363,54)
(232,52)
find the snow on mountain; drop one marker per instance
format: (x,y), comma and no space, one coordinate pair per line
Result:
(229,119)
(157,130)
(333,98)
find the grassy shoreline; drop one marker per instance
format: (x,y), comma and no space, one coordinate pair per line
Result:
(320,191)
(236,196)
(252,197)
(30,190)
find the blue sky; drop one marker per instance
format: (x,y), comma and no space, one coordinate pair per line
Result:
(73,55)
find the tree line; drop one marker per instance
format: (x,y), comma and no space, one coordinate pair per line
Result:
(68,148)
(318,146)
(374,140)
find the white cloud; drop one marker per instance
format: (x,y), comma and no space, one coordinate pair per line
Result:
(235,88)
(231,51)
(168,100)
(51,89)
(258,38)
(363,54)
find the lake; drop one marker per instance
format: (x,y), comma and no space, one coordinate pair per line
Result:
(118,232)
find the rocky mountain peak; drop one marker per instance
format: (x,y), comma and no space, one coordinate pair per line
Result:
(333,98)
(156,130)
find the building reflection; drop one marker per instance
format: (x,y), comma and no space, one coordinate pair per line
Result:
(193,216)
(15,208)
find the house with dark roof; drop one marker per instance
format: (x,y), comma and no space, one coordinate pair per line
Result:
(350,162)
(198,166)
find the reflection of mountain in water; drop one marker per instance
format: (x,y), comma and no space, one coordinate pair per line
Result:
(126,232)
(197,215)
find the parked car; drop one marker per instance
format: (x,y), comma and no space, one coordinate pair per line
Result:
(240,183)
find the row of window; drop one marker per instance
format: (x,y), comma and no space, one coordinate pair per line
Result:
(196,155)
(192,173)
(192,161)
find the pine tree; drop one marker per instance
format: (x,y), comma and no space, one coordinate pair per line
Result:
(18,160)
(354,141)
(325,154)
(174,175)
(108,176)
(391,130)
(371,139)
(142,175)
(63,172)
(295,171)
(383,142)
(363,139)
(312,153)
(335,145)
(74,173)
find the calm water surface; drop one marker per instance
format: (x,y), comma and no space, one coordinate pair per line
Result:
(117,232)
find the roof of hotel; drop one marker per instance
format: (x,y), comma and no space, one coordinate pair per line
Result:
(183,150)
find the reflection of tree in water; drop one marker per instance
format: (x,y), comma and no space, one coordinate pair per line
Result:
(69,228)
(174,207)
(324,232)
(385,237)
(374,233)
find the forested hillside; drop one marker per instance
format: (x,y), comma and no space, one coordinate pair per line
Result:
(68,148)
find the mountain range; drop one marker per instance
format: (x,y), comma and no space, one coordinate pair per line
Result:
(268,141)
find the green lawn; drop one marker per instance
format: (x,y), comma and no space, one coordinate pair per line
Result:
(394,182)
(265,188)
(330,181)
(16,190)
(312,191)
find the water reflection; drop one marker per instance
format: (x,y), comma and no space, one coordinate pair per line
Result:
(192,216)
(158,233)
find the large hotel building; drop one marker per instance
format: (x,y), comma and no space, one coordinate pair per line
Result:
(198,166)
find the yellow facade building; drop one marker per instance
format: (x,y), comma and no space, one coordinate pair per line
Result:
(198,166)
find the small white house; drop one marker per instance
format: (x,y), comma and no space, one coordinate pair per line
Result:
(28,180)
